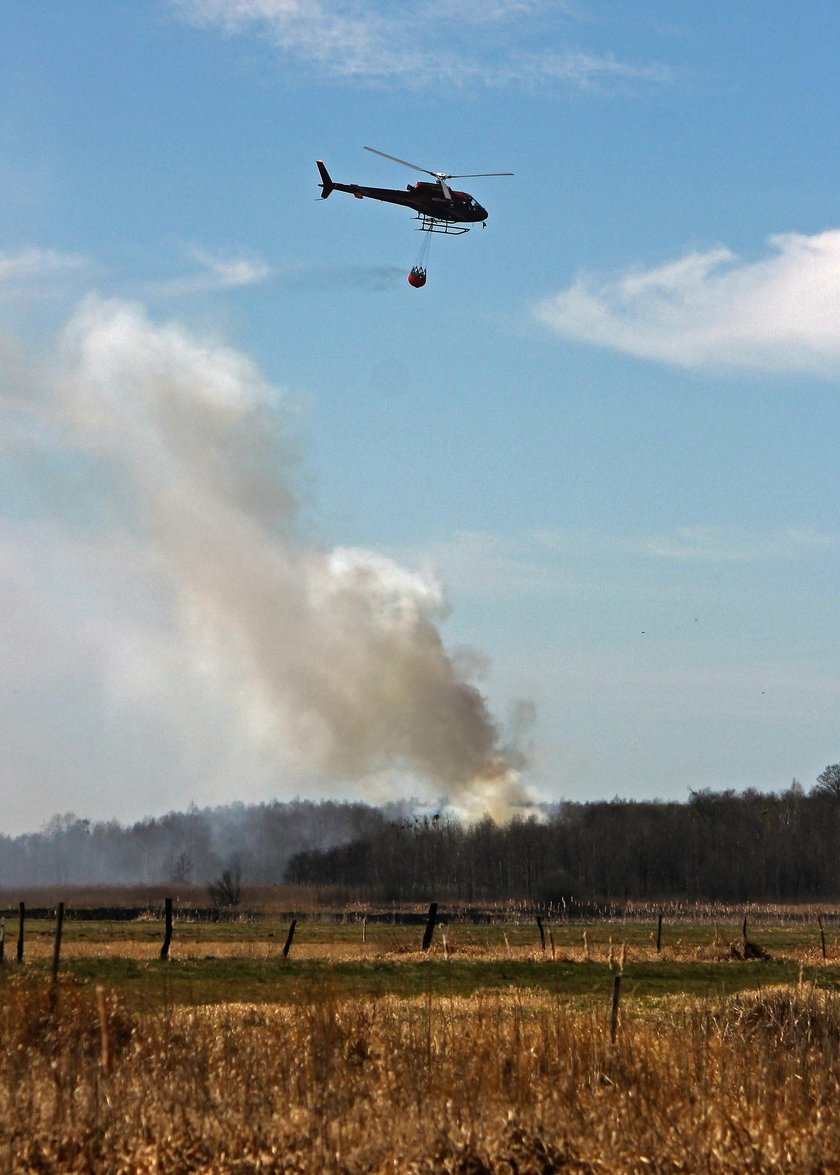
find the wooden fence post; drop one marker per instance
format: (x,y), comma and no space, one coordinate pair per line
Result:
(659,934)
(822,934)
(21,917)
(430,926)
(59,923)
(104,1037)
(2,940)
(167,936)
(616,996)
(289,938)
(542,933)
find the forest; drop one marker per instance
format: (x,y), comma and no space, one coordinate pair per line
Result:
(714,846)
(717,846)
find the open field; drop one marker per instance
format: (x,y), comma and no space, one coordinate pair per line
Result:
(361,1054)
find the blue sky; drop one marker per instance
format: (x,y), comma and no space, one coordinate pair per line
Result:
(271,517)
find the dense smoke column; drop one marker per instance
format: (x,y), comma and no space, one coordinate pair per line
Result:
(330,659)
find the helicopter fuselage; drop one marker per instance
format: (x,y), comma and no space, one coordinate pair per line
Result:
(427,199)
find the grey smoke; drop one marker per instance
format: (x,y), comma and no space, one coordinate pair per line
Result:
(331,661)
(362,277)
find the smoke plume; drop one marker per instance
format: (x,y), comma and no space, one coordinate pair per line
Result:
(330,661)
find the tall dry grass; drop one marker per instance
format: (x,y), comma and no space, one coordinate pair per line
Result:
(503,1082)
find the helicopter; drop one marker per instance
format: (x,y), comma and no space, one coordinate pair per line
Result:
(439,208)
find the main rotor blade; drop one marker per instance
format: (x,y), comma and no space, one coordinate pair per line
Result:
(404,162)
(440,176)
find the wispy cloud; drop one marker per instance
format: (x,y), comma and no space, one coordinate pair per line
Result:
(215,271)
(714,309)
(232,271)
(716,544)
(588,71)
(690,544)
(567,562)
(35,268)
(480,563)
(498,43)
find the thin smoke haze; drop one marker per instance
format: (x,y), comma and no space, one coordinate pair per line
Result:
(328,662)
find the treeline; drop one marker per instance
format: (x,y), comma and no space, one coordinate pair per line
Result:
(255,842)
(717,846)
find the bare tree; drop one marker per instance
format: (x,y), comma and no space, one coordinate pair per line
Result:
(226,890)
(182,868)
(828,782)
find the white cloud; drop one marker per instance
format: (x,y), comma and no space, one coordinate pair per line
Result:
(713,309)
(422,43)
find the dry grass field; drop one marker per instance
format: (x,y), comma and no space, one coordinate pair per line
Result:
(484,1056)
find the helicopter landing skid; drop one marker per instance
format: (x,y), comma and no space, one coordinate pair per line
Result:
(430,224)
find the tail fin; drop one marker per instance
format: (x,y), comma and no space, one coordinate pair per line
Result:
(326,183)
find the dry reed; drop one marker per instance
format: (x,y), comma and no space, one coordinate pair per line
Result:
(499,1082)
